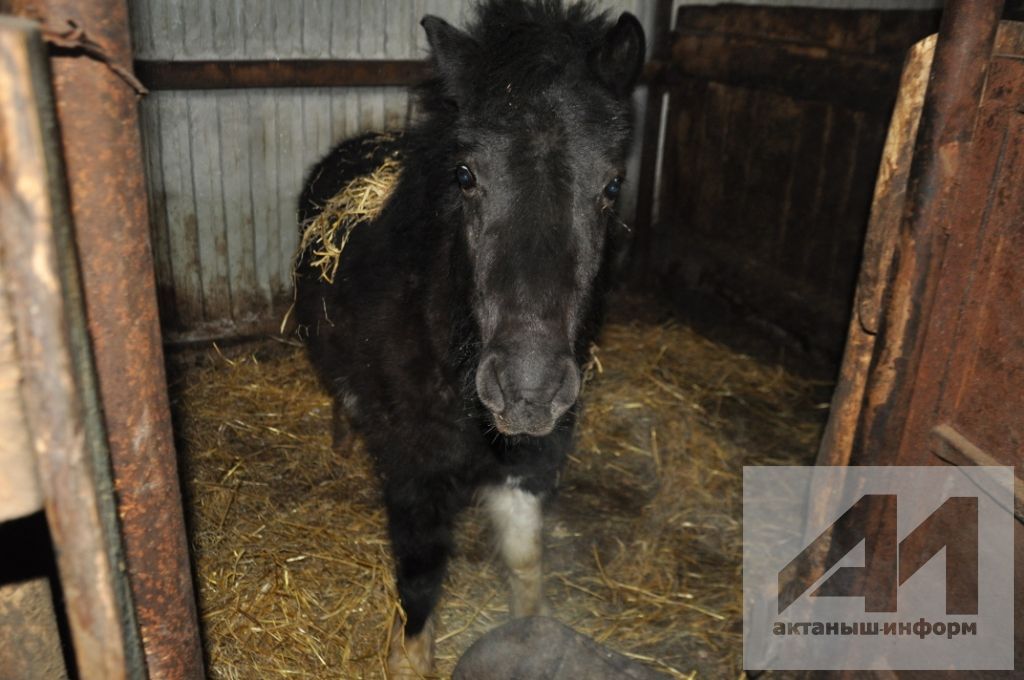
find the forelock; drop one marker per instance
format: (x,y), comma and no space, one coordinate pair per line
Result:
(525,46)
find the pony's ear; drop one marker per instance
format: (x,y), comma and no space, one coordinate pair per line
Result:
(618,60)
(449,46)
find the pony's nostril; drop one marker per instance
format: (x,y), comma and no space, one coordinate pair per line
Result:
(568,390)
(488,386)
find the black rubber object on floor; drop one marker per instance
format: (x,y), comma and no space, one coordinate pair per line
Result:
(541,648)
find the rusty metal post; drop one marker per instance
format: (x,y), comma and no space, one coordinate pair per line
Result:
(962,53)
(97,110)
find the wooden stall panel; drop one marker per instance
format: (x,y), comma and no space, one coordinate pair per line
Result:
(776,126)
(934,374)
(983,392)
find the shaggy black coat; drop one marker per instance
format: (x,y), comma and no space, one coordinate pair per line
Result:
(538,95)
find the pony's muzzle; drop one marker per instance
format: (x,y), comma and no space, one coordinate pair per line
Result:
(527,392)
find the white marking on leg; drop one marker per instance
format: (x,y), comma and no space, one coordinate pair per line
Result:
(516,516)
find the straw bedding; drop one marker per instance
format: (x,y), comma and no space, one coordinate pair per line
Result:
(643,546)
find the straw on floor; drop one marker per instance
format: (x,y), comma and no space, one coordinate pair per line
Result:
(642,545)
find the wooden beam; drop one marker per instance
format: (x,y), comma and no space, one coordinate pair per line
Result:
(805,72)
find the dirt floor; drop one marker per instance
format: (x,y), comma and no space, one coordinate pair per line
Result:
(643,545)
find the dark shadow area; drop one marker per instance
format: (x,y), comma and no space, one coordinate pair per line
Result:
(32,607)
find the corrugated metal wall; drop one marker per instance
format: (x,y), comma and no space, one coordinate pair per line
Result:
(225,167)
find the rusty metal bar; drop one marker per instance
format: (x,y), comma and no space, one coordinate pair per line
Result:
(57,391)
(962,53)
(280,73)
(97,112)
(232,74)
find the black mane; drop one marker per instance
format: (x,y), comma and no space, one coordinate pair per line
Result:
(529,45)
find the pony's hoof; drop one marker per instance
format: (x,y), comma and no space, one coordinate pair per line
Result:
(411,657)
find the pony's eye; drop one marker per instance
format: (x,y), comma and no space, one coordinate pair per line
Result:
(613,188)
(465,177)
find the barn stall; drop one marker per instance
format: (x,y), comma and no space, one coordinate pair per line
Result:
(762,131)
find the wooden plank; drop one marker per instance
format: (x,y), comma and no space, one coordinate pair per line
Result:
(738,155)
(863,31)
(290,154)
(345,43)
(979,304)
(767,172)
(399,41)
(683,130)
(291,171)
(830,217)
(897,385)
(235,134)
(209,206)
(396,108)
(804,195)
(371,45)
(227,32)
(711,155)
(807,147)
(179,203)
(197,18)
(849,242)
(837,442)
(286,22)
(20,493)
(256,38)
(855,81)
(262,179)
(149,120)
(316,41)
(263,191)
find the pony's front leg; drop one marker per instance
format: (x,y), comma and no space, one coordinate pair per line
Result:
(420,524)
(516,517)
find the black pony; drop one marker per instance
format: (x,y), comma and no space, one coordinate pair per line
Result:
(454,329)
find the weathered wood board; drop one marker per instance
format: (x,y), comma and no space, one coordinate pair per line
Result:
(776,124)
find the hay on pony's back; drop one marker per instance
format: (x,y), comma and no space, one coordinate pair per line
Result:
(359,201)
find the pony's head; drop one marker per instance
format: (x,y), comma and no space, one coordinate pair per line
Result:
(540,98)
